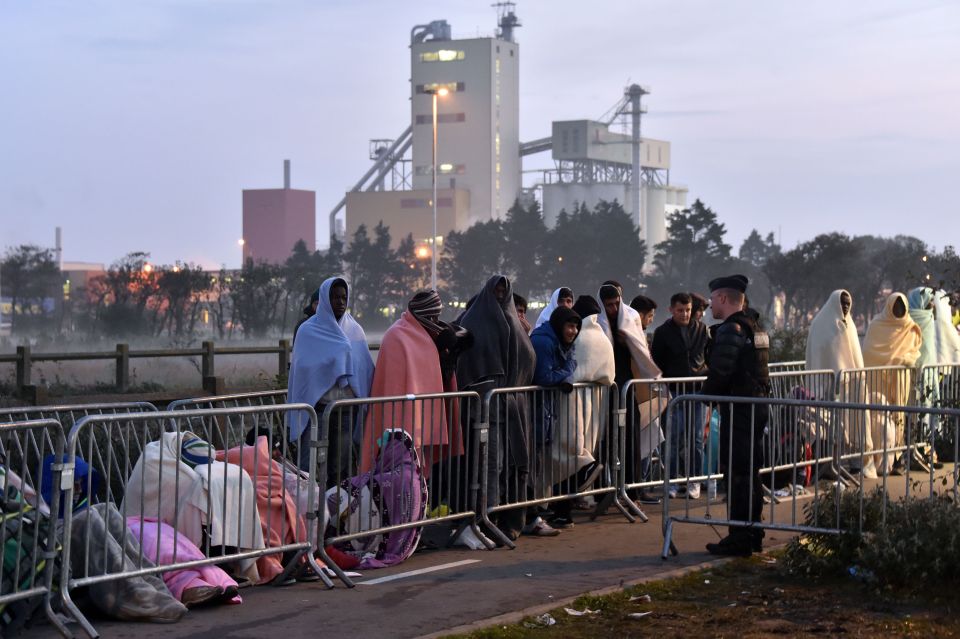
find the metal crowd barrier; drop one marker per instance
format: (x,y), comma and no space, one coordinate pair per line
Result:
(642,425)
(259,398)
(749,417)
(787,367)
(940,386)
(546,446)
(394,465)
(862,431)
(68,414)
(162,466)
(28,536)
(799,433)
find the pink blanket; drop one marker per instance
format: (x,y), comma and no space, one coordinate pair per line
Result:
(168,552)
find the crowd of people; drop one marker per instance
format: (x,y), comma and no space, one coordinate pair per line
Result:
(493,344)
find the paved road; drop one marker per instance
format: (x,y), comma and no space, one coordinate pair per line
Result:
(480,584)
(591,556)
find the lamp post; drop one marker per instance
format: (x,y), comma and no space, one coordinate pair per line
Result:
(433,240)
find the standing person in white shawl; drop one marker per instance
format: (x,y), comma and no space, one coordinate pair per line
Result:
(572,453)
(948,340)
(622,327)
(331,361)
(563,296)
(833,344)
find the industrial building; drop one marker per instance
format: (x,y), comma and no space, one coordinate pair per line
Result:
(474,84)
(274,220)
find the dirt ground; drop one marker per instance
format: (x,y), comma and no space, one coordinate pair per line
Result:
(747,598)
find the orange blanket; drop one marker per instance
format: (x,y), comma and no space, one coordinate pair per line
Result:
(278,508)
(408,364)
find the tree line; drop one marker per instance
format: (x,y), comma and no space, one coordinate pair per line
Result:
(584,248)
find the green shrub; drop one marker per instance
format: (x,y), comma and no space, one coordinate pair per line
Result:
(904,544)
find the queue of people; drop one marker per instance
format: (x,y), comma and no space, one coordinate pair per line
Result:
(494,345)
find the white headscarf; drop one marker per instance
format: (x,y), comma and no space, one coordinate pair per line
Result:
(832,342)
(629,325)
(327,353)
(948,341)
(548,310)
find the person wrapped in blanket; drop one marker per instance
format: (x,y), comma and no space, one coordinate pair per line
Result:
(393,493)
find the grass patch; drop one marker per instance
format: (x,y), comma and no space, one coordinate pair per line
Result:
(754,597)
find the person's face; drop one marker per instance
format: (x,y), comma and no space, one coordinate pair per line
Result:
(681,313)
(646,319)
(314,305)
(846,303)
(570,332)
(500,291)
(697,315)
(521,311)
(717,302)
(338,301)
(565,302)
(899,308)
(611,306)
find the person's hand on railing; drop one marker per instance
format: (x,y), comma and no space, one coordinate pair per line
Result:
(565,387)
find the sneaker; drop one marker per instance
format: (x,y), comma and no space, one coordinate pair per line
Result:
(592,474)
(673,491)
(539,528)
(693,490)
(561,523)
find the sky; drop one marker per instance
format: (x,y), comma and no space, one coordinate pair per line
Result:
(135,125)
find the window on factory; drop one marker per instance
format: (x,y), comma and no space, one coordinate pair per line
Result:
(452,87)
(442,169)
(442,118)
(443,55)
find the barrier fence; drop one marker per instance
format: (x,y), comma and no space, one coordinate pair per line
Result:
(548,445)
(391,466)
(742,460)
(133,471)
(368,475)
(28,540)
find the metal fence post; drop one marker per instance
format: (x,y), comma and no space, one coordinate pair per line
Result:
(123,367)
(23,366)
(206,362)
(283,361)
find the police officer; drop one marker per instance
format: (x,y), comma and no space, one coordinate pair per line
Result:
(738,368)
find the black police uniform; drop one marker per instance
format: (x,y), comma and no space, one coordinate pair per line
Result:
(738,361)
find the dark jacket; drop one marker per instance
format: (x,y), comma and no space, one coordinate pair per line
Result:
(554,366)
(679,350)
(739,358)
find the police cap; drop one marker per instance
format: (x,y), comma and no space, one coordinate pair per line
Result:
(736,282)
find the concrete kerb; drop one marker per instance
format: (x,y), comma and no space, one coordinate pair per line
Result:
(519,615)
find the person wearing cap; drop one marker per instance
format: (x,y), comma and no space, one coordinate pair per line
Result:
(738,368)
(308,311)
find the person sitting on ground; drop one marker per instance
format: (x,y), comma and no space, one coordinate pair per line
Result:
(331,361)
(563,296)
(553,343)
(678,349)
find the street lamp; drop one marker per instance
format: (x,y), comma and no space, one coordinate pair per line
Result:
(440,91)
